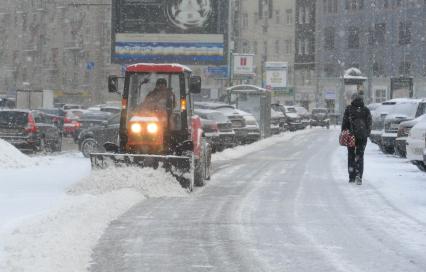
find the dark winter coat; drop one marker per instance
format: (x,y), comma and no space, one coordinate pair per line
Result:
(357,119)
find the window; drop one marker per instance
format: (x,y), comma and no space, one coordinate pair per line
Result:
(245,20)
(405,68)
(404,33)
(329,38)
(354,4)
(277,46)
(377,69)
(353,37)
(307,16)
(301,15)
(301,47)
(380,95)
(288,46)
(289,16)
(277,16)
(377,35)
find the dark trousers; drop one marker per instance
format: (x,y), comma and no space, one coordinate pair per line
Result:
(356,158)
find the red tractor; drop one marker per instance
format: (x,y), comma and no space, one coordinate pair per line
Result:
(158,127)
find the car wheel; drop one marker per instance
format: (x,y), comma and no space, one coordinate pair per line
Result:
(89,145)
(387,149)
(421,165)
(57,145)
(42,145)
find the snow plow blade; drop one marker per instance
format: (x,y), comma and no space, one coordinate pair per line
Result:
(179,166)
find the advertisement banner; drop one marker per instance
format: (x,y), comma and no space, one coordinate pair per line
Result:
(276,75)
(243,65)
(184,31)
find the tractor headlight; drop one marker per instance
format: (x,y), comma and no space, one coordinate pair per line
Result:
(136,128)
(152,128)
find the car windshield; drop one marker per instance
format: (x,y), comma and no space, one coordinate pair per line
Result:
(406,109)
(291,110)
(95,116)
(14,118)
(217,116)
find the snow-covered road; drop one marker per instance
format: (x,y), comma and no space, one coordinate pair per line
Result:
(282,204)
(285,208)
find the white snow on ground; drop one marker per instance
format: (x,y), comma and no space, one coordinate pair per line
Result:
(392,194)
(242,150)
(53,211)
(10,157)
(396,180)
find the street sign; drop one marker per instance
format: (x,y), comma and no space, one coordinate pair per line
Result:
(243,65)
(217,71)
(276,75)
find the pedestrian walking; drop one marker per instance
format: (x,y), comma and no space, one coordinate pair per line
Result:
(357,119)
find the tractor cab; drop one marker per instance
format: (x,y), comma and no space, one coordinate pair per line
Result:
(156,108)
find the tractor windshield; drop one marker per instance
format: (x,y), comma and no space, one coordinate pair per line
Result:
(154,95)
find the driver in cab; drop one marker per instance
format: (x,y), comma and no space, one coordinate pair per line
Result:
(160,99)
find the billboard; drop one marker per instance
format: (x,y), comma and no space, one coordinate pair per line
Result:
(184,31)
(243,65)
(276,75)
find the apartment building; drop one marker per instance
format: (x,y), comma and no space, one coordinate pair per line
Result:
(384,39)
(266,28)
(59,45)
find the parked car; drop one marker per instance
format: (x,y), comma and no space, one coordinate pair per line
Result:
(402,134)
(416,144)
(403,110)
(293,120)
(304,115)
(57,115)
(378,117)
(71,107)
(71,123)
(278,123)
(217,128)
(90,119)
(30,130)
(243,133)
(92,139)
(319,117)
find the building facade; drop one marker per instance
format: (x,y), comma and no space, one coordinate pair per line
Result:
(265,28)
(57,45)
(304,53)
(384,39)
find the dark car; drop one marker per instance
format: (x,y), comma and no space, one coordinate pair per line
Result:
(57,115)
(319,117)
(293,120)
(219,130)
(244,124)
(93,138)
(30,130)
(304,115)
(90,119)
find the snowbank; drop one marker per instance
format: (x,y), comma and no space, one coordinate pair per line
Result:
(242,150)
(63,239)
(10,157)
(148,181)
